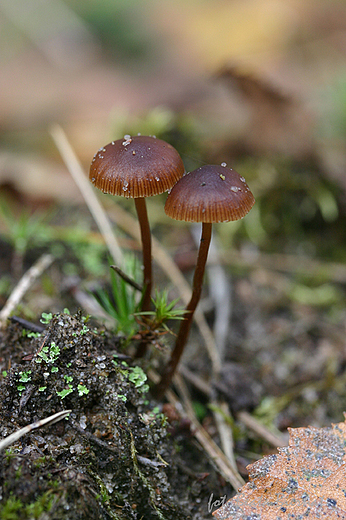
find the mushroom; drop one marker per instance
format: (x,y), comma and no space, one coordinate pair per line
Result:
(138,167)
(209,194)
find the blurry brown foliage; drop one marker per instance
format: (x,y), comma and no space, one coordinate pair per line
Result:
(276,121)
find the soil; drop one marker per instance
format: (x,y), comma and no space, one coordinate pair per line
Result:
(115,457)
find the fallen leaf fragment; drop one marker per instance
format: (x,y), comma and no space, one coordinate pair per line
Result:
(306,480)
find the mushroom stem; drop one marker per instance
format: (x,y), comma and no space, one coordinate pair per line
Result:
(185,325)
(141,209)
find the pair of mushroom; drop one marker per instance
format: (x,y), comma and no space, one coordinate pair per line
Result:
(143,166)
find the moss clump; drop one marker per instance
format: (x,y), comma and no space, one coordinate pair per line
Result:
(105,461)
(14,509)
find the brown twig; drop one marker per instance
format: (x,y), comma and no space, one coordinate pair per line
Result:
(253,424)
(127,278)
(247,419)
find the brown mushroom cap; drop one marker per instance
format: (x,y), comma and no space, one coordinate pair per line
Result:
(135,167)
(210,194)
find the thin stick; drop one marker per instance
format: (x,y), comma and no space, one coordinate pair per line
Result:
(224,429)
(219,292)
(28,325)
(127,278)
(186,323)
(74,167)
(23,285)
(225,432)
(263,432)
(27,429)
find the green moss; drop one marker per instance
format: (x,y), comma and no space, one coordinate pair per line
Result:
(25,376)
(10,509)
(66,391)
(46,317)
(14,509)
(96,478)
(82,390)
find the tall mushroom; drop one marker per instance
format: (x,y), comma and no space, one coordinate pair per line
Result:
(137,167)
(209,194)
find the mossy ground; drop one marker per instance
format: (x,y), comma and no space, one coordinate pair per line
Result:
(113,457)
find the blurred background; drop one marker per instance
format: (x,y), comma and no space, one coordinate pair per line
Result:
(261,78)
(258,84)
(255,78)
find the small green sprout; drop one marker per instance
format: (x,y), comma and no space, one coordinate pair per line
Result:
(68,379)
(54,370)
(84,330)
(138,378)
(20,388)
(4,373)
(30,334)
(46,317)
(54,350)
(42,388)
(82,390)
(122,301)
(133,374)
(25,376)
(65,392)
(164,311)
(48,354)
(156,414)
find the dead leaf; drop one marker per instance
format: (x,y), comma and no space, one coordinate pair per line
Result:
(278,122)
(307,479)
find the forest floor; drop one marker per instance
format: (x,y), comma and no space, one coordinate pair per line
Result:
(260,87)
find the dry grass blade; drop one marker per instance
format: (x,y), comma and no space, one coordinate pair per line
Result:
(220,412)
(27,429)
(247,419)
(73,165)
(23,285)
(251,422)
(219,290)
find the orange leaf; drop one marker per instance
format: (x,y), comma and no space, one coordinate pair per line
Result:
(306,480)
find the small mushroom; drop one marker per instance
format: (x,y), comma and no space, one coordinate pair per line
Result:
(137,167)
(209,194)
